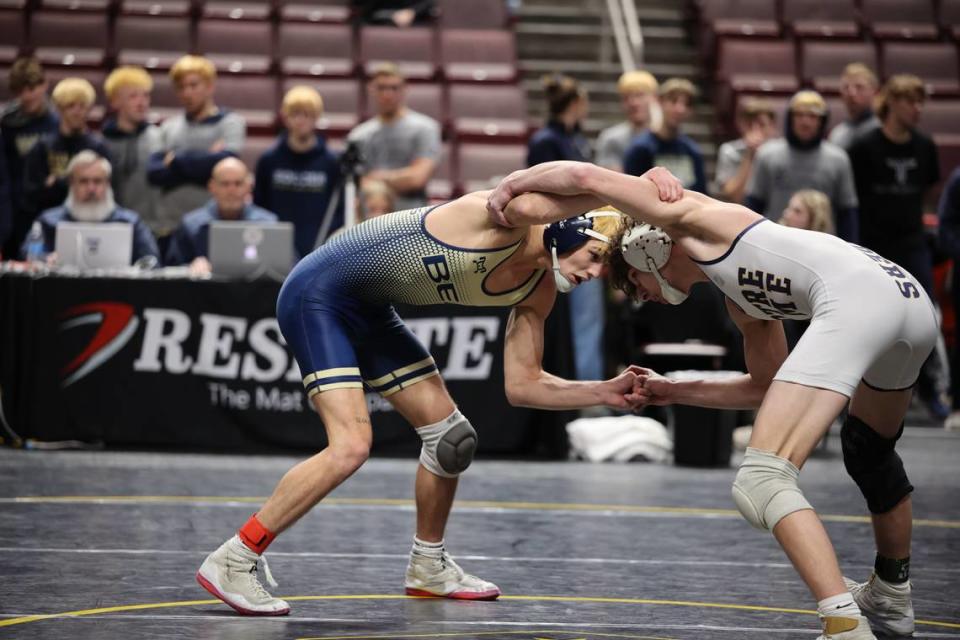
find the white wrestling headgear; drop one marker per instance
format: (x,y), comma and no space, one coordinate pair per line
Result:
(647,248)
(568,235)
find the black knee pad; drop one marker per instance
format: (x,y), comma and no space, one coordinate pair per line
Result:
(874,465)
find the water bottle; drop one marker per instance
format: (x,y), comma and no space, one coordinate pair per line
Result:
(35,252)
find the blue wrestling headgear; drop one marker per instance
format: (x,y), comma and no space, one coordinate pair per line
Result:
(566,235)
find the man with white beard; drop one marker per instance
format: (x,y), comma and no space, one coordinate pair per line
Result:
(90,199)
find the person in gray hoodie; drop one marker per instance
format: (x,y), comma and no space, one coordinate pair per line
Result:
(193,143)
(131,139)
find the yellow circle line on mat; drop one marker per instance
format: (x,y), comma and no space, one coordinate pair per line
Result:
(476,504)
(595,600)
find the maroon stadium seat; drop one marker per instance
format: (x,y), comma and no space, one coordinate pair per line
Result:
(411,49)
(315,49)
(101,6)
(950,17)
(749,65)
(482,166)
(740,17)
(900,19)
(315,10)
(816,18)
(478,55)
(237,10)
(11,35)
(69,38)
(934,62)
(17,5)
(93,76)
(341,103)
(253,148)
(154,43)
(428,98)
(475,14)
(443,182)
(236,46)
(169,8)
(940,117)
(488,111)
(5,84)
(822,62)
(163,98)
(253,97)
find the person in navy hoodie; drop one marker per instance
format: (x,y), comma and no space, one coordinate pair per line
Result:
(230,185)
(299,178)
(668,147)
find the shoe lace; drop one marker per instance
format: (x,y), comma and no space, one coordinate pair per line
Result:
(255,584)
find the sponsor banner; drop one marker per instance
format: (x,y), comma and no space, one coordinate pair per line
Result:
(184,364)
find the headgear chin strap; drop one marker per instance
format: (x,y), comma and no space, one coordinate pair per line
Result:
(647,248)
(566,235)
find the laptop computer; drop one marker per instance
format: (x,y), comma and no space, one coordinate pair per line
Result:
(97,245)
(242,249)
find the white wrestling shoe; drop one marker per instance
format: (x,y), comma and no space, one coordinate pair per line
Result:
(952,423)
(230,573)
(888,606)
(443,578)
(837,628)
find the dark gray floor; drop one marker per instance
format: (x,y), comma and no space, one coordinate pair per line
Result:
(108,544)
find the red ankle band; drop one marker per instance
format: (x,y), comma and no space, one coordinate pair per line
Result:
(256,536)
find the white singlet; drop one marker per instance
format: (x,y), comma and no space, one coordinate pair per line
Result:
(869,318)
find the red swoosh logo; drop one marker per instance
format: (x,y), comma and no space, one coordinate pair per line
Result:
(115,316)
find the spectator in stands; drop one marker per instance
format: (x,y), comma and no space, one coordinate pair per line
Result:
(757,123)
(667,146)
(396,13)
(638,97)
(804,160)
(299,177)
(90,199)
(399,146)
(192,144)
(132,140)
(894,167)
(949,213)
(230,185)
(376,198)
(858,87)
(561,138)
(809,209)
(24,121)
(45,171)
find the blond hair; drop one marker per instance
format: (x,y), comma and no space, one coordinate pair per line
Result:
(903,85)
(678,86)
(637,82)
(618,270)
(818,206)
(860,70)
(809,100)
(610,226)
(386,69)
(302,98)
(193,64)
(71,90)
(753,108)
(135,77)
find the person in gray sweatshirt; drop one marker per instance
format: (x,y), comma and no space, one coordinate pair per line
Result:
(192,144)
(131,140)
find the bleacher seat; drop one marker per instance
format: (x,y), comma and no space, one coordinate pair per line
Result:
(69,38)
(253,148)
(16,5)
(950,17)
(314,10)
(253,97)
(315,49)
(167,8)
(154,43)
(478,55)
(101,6)
(934,62)
(757,66)
(488,111)
(341,103)
(819,19)
(822,62)
(475,14)
(163,98)
(412,50)
(740,17)
(428,98)
(11,35)
(5,94)
(442,183)
(900,19)
(258,10)
(940,117)
(482,166)
(236,46)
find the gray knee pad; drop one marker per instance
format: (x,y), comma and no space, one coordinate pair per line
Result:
(766,490)
(448,446)
(874,465)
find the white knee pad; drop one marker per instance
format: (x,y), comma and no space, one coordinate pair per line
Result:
(448,446)
(766,490)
